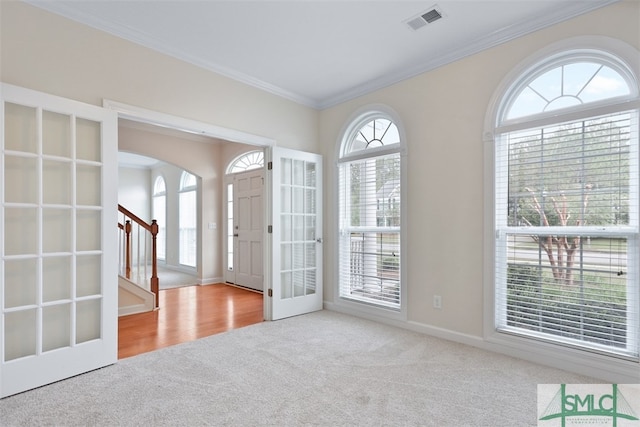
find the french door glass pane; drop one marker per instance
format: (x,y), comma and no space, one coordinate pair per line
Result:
(19,334)
(56,326)
(20,131)
(20,281)
(56,134)
(56,182)
(88,140)
(21,179)
(88,315)
(56,278)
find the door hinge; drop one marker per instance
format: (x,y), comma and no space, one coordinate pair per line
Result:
(270,293)
(269,166)
(270,229)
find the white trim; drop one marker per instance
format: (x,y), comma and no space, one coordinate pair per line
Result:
(354,121)
(607,367)
(580,362)
(564,12)
(139,114)
(625,52)
(211,281)
(232,163)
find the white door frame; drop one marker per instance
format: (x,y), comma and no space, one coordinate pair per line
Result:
(231,179)
(139,114)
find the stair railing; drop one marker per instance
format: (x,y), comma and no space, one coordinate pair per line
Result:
(137,234)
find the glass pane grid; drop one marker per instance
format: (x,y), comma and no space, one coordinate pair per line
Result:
(40,214)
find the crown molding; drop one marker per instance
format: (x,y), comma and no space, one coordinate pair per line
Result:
(565,11)
(504,35)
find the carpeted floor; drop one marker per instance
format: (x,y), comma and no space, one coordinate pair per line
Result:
(320,369)
(167,278)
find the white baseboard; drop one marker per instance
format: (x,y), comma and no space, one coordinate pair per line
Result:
(211,281)
(602,367)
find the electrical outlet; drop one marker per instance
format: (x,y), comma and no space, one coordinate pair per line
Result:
(437,301)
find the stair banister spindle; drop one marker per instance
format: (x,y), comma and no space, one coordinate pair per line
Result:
(154,260)
(127,246)
(153,229)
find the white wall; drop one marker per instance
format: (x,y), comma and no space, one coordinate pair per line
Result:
(134,191)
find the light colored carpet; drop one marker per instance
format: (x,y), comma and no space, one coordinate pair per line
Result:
(167,278)
(320,369)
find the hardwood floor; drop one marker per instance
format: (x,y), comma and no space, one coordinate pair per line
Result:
(186,314)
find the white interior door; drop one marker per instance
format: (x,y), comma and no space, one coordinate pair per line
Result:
(249,228)
(58,216)
(296,238)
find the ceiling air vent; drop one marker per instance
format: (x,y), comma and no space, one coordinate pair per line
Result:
(432,15)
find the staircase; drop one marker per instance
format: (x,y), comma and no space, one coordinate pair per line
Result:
(138,282)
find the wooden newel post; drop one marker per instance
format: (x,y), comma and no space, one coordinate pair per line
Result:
(155,285)
(127,248)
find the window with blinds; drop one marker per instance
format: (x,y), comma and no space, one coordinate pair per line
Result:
(370,203)
(567,210)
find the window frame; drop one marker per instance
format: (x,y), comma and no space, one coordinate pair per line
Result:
(353,124)
(186,187)
(583,360)
(162,256)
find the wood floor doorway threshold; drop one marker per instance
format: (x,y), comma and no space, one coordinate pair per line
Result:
(186,314)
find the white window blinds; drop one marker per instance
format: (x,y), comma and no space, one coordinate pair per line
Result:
(567,233)
(370,230)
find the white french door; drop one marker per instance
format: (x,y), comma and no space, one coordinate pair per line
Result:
(58,256)
(248,228)
(296,237)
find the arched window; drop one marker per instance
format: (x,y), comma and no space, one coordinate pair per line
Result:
(160,215)
(187,219)
(370,206)
(246,162)
(566,204)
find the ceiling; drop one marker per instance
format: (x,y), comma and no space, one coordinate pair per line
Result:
(318,53)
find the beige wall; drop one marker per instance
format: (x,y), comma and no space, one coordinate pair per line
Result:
(201,159)
(443,113)
(45,52)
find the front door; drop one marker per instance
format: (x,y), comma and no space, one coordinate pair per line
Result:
(296,236)
(58,256)
(248,226)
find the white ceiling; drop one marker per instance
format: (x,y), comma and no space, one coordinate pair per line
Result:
(318,53)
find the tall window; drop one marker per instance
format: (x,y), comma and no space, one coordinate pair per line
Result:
(160,215)
(187,221)
(369,194)
(566,205)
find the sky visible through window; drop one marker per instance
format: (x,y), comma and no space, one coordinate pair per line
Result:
(566,86)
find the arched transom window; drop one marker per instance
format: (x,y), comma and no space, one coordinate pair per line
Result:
(246,162)
(566,204)
(370,220)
